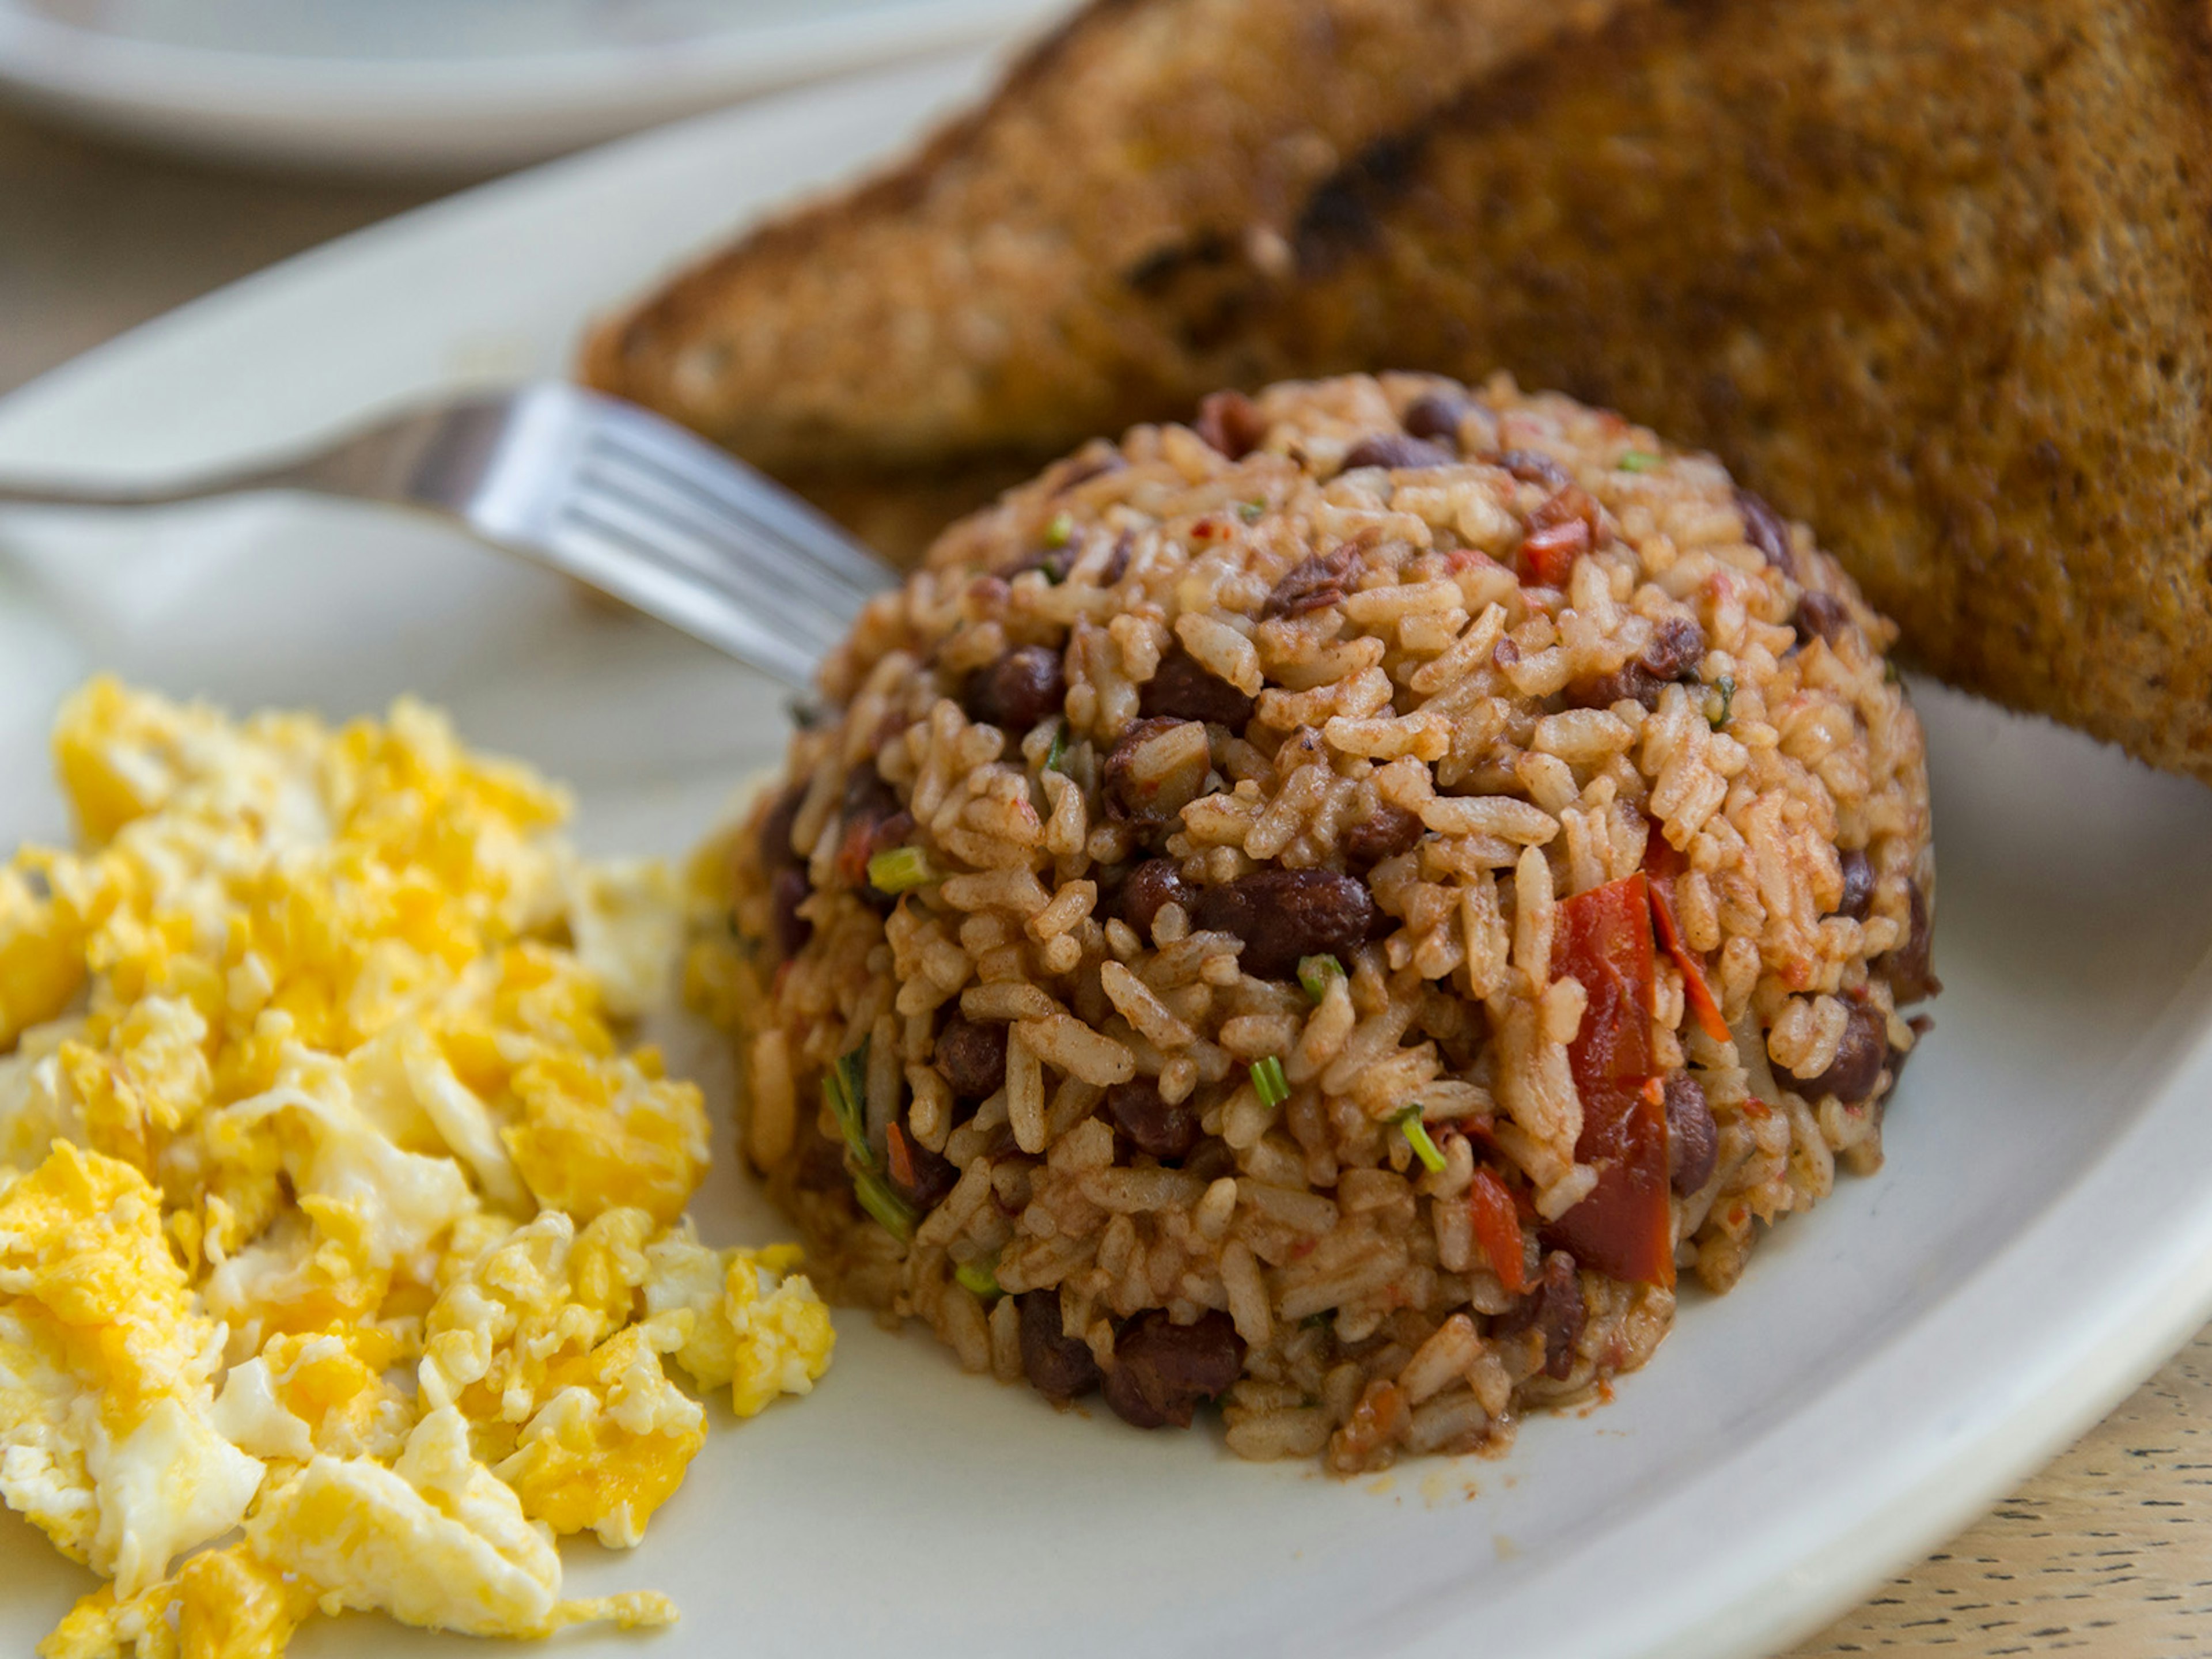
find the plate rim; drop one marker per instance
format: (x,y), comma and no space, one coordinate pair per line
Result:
(372,114)
(1887,1505)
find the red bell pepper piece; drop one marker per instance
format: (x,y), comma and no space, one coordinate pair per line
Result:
(1695,991)
(1624,1227)
(899,1157)
(1497,1229)
(1547,556)
(1603,938)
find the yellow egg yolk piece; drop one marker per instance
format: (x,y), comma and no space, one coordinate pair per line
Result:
(343,1260)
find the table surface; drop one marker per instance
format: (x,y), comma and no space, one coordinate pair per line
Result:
(2104,1553)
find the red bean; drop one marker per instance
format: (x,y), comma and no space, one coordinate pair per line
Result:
(1910,967)
(1232,422)
(1024,687)
(1284,914)
(787,890)
(1677,646)
(1383,834)
(1851,1075)
(1858,886)
(1533,466)
(1182,689)
(1059,1366)
(1438,416)
(1162,1369)
(1167,1132)
(1764,529)
(1395,450)
(1152,885)
(1692,1138)
(1314,584)
(1820,615)
(971,1058)
(1554,1307)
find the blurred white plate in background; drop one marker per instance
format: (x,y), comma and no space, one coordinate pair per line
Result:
(447,85)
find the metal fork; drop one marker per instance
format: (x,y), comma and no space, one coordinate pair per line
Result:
(595,488)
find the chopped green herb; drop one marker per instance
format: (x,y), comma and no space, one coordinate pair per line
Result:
(898,868)
(877,1199)
(979,1276)
(1417,1136)
(1057,533)
(1267,1078)
(1725,686)
(1315,972)
(1250,511)
(1889,674)
(1638,460)
(1314,1321)
(1059,751)
(846,1087)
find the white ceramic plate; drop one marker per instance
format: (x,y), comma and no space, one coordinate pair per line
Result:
(416,85)
(2042,1236)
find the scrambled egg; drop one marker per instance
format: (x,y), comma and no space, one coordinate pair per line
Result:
(342,1259)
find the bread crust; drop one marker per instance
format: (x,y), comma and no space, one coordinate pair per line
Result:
(1936,278)
(989,295)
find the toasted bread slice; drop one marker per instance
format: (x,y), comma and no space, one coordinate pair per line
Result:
(1936,277)
(1020,284)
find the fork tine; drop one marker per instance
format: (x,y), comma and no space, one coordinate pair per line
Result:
(788,556)
(717,477)
(726,575)
(594,487)
(637,566)
(733,573)
(724,538)
(728,554)
(626,502)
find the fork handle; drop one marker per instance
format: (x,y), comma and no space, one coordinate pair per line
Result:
(114,495)
(385,463)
